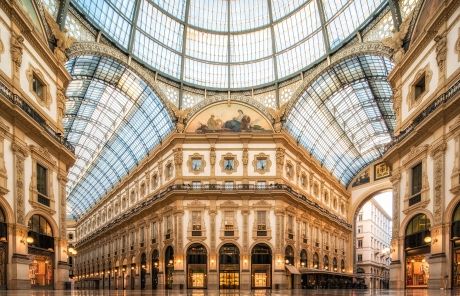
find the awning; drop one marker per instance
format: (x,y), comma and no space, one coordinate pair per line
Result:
(292,269)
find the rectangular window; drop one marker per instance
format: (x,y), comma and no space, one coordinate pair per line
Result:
(360,243)
(196,185)
(420,87)
(360,258)
(229,185)
(360,217)
(42,173)
(360,229)
(196,223)
(261,223)
(169,227)
(142,235)
(417,179)
(154,232)
(228,219)
(37,86)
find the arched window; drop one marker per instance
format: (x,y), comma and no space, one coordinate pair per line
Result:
(334,264)
(342,265)
(303,259)
(456,223)
(3,227)
(326,262)
(315,261)
(418,232)
(41,232)
(289,255)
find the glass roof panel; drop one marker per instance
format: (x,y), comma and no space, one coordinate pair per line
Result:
(341,104)
(114,119)
(245,75)
(178,37)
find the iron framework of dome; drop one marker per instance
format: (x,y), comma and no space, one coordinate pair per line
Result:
(228,44)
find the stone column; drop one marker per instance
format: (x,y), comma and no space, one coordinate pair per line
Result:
(397,245)
(4,129)
(438,260)
(62,267)
(213,280)
(245,257)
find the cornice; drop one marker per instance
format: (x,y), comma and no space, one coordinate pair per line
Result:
(429,32)
(18,17)
(173,192)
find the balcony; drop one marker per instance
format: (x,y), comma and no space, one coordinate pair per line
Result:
(43,200)
(416,198)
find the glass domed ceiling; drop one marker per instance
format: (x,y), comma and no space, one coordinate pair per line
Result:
(228,44)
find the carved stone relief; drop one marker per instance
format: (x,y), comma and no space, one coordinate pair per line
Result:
(17,44)
(4,129)
(20,153)
(441,54)
(438,181)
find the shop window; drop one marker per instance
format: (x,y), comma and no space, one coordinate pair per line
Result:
(41,233)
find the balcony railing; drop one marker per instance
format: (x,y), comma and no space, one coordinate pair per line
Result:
(29,110)
(43,200)
(415,199)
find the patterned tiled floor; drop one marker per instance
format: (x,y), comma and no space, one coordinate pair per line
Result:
(234,293)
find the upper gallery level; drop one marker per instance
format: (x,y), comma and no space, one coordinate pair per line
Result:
(213,157)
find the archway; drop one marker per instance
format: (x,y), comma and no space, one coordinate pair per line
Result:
(197,269)
(455,238)
(229,267)
(289,263)
(303,268)
(169,267)
(372,221)
(3,249)
(143,270)
(417,249)
(41,250)
(261,266)
(155,268)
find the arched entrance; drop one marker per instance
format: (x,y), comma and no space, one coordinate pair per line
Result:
(132,275)
(417,247)
(169,267)
(455,237)
(316,261)
(3,250)
(197,269)
(143,270)
(41,251)
(155,268)
(229,267)
(326,262)
(303,268)
(261,266)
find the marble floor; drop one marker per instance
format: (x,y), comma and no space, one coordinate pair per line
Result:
(234,293)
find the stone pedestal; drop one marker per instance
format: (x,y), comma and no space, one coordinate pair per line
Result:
(19,273)
(245,280)
(279,281)
(439,271)
(396,275)
(179,280)
(61,275)
(213,280)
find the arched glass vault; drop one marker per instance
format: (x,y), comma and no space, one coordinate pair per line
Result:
(113,119)
(345,117)
(229,44)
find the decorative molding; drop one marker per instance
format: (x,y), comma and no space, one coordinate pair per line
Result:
(415,154)
(168,170)
(2,49)
(260,167)
(45,99)
(4,131)
(277,115)
(412,101)
(20,153)
(178,160)
(60,105)
(441,54)
(17,45)
(228,163)
(63,39)
(457,45)
(438,155)
(196,163)
(290,169)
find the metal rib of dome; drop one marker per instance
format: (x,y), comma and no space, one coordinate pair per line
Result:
(114,120)
(223,44)
(351,103)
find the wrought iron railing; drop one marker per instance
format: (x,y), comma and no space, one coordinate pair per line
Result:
(30,111)
(441,100)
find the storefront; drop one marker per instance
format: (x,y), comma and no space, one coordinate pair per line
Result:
(197,267)
(229,267)
(41,252)
(417,245)
(3,250)
(143,270)
(455,238)
(169,267)
(261,266)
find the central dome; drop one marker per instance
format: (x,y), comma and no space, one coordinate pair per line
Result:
(228,44)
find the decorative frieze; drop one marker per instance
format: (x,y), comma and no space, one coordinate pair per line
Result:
(20,153)
(17,45)
(4,130)
(437,153)
(441,54)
